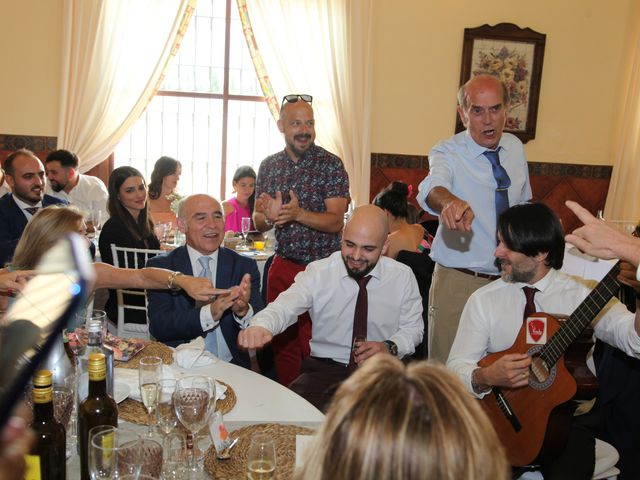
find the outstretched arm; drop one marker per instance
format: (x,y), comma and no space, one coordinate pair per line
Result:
(455,213)
(597,238)
(154,279)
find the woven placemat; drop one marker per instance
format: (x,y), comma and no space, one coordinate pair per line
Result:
(133,411)
(236,466)
(155,349)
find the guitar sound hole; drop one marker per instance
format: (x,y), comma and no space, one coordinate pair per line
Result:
(541,375)
(539,369)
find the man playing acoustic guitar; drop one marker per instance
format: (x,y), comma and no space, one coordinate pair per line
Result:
(499,316)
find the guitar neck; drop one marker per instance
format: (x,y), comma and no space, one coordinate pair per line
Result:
(581,317)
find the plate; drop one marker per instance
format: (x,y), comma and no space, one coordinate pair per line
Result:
(120,391)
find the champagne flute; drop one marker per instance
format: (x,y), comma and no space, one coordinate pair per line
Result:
(192,400)
(261,458)
(245,226)
(149,373)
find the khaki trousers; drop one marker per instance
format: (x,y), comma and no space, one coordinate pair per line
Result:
(448,295)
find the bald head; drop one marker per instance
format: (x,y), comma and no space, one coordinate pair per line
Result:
(363,239)
(369,220)
(481,82)
(298,127)
(201,218)
(483,103)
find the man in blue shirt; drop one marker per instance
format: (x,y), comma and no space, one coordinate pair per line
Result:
(473,176)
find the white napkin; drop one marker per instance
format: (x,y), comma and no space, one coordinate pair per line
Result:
(130,377)
(193,354)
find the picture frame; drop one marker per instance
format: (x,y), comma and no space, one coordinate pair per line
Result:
(515,56)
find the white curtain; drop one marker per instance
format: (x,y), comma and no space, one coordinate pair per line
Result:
(623,200)
(114,55)
(323,48)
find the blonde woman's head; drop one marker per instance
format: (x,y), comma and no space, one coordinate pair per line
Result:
(46,227)
(391,421)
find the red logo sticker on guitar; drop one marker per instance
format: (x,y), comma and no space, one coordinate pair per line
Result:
(536,330)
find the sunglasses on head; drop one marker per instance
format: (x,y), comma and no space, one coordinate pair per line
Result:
(293,98)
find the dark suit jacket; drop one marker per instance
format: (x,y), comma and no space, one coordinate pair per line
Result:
(173,316)
(13,221)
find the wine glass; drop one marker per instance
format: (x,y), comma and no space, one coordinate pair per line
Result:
(165,410)
(261,458)
(114,452)
(245,226)
(193,401)
(149,373)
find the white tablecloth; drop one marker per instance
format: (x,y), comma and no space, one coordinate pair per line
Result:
(259,400)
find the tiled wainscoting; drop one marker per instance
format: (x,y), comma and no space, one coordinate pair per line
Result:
(42,146)
(552,183)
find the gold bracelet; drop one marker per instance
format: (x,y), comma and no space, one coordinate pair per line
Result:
(171,280)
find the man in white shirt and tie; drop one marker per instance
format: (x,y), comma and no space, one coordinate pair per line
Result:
(330,290)
(174,318)
(24,173)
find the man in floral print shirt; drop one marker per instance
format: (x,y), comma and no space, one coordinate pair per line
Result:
(302,191)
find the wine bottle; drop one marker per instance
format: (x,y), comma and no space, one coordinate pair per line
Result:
(97,409)
(95,344)
(49,451)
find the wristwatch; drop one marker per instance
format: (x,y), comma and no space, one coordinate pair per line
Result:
(393,348)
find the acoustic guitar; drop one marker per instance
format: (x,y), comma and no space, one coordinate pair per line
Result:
(520,416)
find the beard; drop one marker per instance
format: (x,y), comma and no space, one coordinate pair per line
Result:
(358,274)
(517,274)
(301,136)
(55,186)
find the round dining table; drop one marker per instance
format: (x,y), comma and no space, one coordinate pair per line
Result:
(258,400)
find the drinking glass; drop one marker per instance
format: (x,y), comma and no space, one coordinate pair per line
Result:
(174,450)
(96,219)
(261,458)
(114,452)
(165,410)
(193,400)
(151,458)
(149,373)
(246,226)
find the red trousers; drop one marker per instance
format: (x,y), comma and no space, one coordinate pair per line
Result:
(292,345)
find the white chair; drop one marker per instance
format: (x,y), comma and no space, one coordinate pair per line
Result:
(124,257)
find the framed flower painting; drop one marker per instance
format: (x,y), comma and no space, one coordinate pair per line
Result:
(515,56)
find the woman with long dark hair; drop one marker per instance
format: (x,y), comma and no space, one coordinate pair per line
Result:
(162,190)
(129,226)
(244,182)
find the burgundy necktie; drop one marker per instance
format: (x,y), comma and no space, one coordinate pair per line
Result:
(529,307)
(361,313)
(32,210)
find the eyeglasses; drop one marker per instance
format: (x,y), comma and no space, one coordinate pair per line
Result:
(293,98)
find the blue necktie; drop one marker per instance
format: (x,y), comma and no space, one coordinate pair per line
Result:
(211,339)
(503,182)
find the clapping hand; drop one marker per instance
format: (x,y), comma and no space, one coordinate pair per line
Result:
(269,206)
(291,211)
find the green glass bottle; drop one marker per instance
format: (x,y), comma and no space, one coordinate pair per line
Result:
(50,448)
(97,409)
